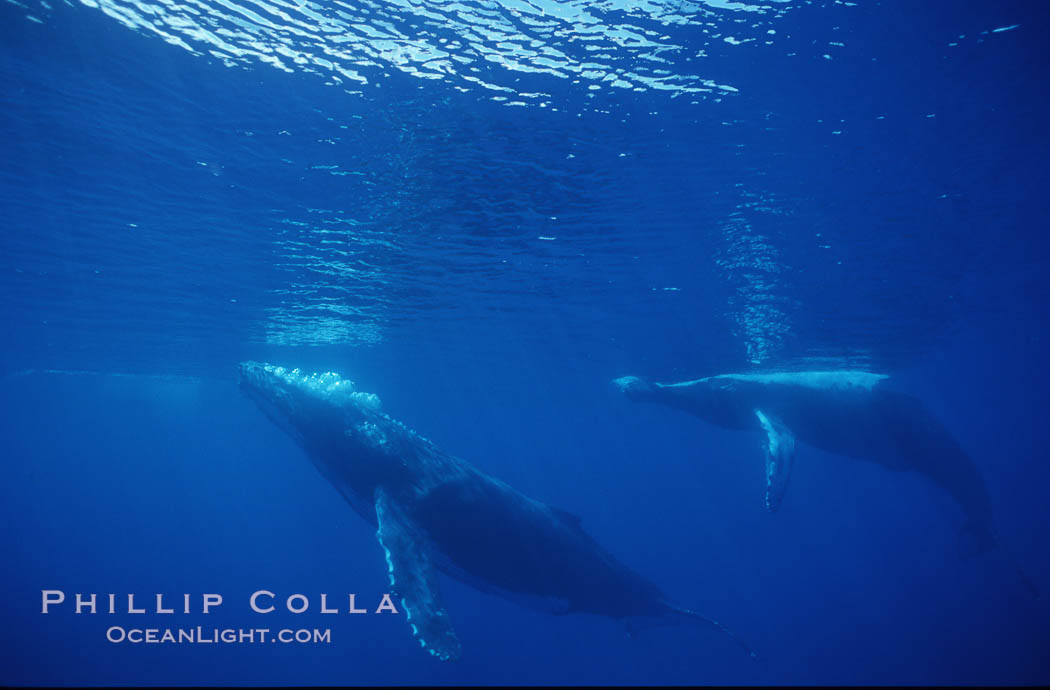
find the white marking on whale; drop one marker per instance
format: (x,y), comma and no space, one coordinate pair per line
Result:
(818,380)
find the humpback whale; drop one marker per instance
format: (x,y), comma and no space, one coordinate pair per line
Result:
(435,512)
(849,413)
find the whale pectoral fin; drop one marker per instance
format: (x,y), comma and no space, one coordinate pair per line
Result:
(414,578)
(780,452)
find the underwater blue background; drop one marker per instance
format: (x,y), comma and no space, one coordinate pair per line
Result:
(485,242)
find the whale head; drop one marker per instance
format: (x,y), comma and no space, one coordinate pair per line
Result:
(634,387)
(337,424)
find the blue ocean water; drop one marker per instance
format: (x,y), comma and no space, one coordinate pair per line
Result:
(483,211)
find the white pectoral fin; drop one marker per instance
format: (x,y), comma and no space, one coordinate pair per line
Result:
(414,578)
(780,452)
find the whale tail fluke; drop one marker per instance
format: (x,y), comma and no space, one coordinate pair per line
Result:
(685,615)
(1026,581)
(976,540)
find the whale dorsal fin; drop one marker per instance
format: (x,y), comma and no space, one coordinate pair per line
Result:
(780,451)
(414,578)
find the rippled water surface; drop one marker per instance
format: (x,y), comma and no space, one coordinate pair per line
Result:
(773,173)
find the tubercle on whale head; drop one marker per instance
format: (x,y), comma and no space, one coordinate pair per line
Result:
(272,380)
(309,406)
(267,387)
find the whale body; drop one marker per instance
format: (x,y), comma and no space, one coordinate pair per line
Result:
(435,512)
(849,413)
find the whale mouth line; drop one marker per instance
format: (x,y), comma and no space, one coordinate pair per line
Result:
(252,381)
(270,409)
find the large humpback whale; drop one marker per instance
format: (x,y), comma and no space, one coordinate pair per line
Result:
(850,413)
(434,511)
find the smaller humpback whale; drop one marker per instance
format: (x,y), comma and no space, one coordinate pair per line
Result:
(848,413)
(435,512)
